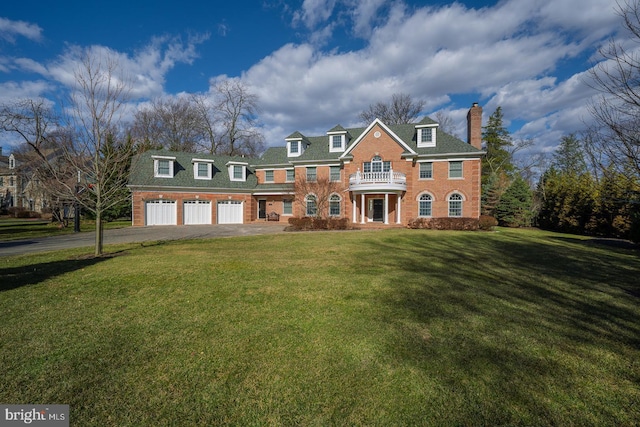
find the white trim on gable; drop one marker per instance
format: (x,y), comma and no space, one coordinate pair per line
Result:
(386,129)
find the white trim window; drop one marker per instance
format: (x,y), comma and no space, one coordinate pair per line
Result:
(334,173)
(295,148)
(337,142)
(287,207)
(237,171)
(268,175)
(455,205)
(426,170)
(424,205)
(163,166)
(312,174)
(311,205)
(291,175)
(376,165)
(455,170)
(335,202)
(202,169)
(426,136)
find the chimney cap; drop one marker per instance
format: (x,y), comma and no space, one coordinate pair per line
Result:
(475,104)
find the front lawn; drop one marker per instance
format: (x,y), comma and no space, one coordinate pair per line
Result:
(397,327)
(17,228)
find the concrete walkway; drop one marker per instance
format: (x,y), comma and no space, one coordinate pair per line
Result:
(136,234)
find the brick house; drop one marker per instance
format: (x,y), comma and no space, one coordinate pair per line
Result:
(383,174)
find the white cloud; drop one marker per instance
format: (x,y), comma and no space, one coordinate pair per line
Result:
(10,29)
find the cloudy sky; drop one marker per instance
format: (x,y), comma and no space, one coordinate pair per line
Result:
(318,63)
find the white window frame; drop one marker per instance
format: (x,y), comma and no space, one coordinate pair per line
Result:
(343,139)
(291,153)
(315,173)
(452,162)
(196,166)
(156,164)
(311,198)
(268,172)
(290,175)
(420,165)
(232,168)
(333,200)
(332,176)
(423,199)
(289,203)
(421,131)
(459,200)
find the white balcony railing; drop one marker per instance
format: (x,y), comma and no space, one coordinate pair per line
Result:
(379,180)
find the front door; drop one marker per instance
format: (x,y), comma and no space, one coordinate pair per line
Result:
(378,210)
(262,209)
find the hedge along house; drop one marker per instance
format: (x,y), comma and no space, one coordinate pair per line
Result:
(381,174)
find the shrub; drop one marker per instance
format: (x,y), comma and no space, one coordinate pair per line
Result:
(313,223)
(487,222)
(444,223)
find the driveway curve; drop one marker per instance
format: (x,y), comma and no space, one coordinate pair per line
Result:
(136,234)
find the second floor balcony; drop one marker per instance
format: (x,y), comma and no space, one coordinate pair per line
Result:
(378,181)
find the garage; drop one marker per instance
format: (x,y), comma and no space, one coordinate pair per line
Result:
(197,212)
(160,212)
(230,212)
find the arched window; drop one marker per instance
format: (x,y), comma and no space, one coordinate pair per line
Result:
(424,205)
(334,205)
(377,165)
(455,205)
(312,205)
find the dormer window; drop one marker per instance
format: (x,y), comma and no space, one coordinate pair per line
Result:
(426,136)
(12,162)
(337,142)
(202,168)
(237,171)
(163,166)
(295,147)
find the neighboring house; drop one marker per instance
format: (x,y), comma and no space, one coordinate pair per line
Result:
(385,175)
(19,187)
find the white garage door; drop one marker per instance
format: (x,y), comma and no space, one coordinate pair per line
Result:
(197,212)
(161,212)
(230,212)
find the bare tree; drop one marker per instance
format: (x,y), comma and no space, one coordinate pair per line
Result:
(31,119)
(98,154)
(446,123)
(321,190)
(401,109)
(170,123)
(210,127)
(615,135)
(236,109)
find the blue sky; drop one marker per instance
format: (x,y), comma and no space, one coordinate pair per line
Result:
(315,64)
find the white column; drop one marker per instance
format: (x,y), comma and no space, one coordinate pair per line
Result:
(386,208)
(353,203)
(362,208)
(398,216)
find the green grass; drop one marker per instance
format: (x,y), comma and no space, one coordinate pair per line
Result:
(397,327)
(16,229)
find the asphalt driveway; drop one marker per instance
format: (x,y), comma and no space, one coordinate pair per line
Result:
(136,234)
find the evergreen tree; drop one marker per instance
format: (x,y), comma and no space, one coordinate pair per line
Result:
(515,206)
(497,140)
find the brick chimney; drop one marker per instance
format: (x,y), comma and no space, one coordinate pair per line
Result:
(474,126)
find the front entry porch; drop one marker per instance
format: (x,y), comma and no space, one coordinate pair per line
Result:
(380,208)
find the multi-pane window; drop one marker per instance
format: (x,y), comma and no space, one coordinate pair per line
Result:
(311,174)
(268,176)
(294,147)
(424,205)
(312,206)
(334,205)
(377,165)
(455,169)
(455,205)
(426,135)
(237,172)
(287,207)
(426,170)
(163,168)
(203,170)
(336,142)
(291,175)
(335,173)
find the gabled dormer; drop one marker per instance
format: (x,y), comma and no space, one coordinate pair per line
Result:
(338,139)
(163,166)
(296,144)
(12,161)
(237,170)
(426,132)
(202,168)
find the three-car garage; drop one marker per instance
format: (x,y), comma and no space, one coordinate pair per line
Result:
(165,212)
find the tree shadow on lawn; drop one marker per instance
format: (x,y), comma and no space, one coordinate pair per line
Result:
(17,277)
(508,311)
